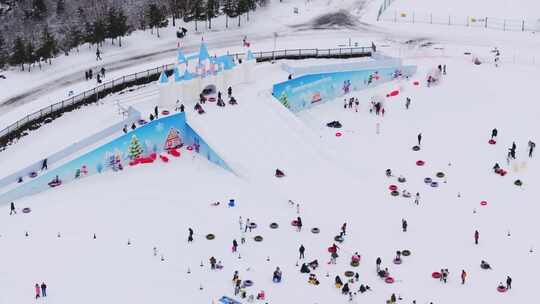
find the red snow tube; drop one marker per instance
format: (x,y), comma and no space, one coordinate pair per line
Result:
(134,162)
(394,93)
(338,134)
(420,163)
(502,172)
(189,148)
(483,203)
(165,112)
(389,280)
(164,158)
(294,223)
(174,152)
(501,289)
(392,187)
(153,156)
(436,275)
(416,82)
(146,160)
(492,142)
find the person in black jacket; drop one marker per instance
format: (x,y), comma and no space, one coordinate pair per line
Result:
(494,133)
(12,209)
(302,249)
(508,282)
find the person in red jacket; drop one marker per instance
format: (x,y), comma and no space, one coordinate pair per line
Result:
(38,290)
(463,276)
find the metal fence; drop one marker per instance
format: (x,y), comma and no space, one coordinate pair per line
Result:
(49,113)
(514,25)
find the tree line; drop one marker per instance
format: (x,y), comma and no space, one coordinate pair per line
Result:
(35,31)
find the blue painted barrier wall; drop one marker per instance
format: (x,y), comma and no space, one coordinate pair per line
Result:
(309,90)
(117,154)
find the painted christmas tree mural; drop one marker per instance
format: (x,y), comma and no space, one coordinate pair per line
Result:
(284,99)
(173,140)
(135,149)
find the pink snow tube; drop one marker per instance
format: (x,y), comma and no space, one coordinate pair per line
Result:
(492,142)
(338,134)
(420,163)
(436,275)
(392,187)
(501,289)
(483,203)
(190,148)
(389,280)
(394,93)
(165,112)
(416,83)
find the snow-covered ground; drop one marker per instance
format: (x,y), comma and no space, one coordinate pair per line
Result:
(509,9)
(334,179)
